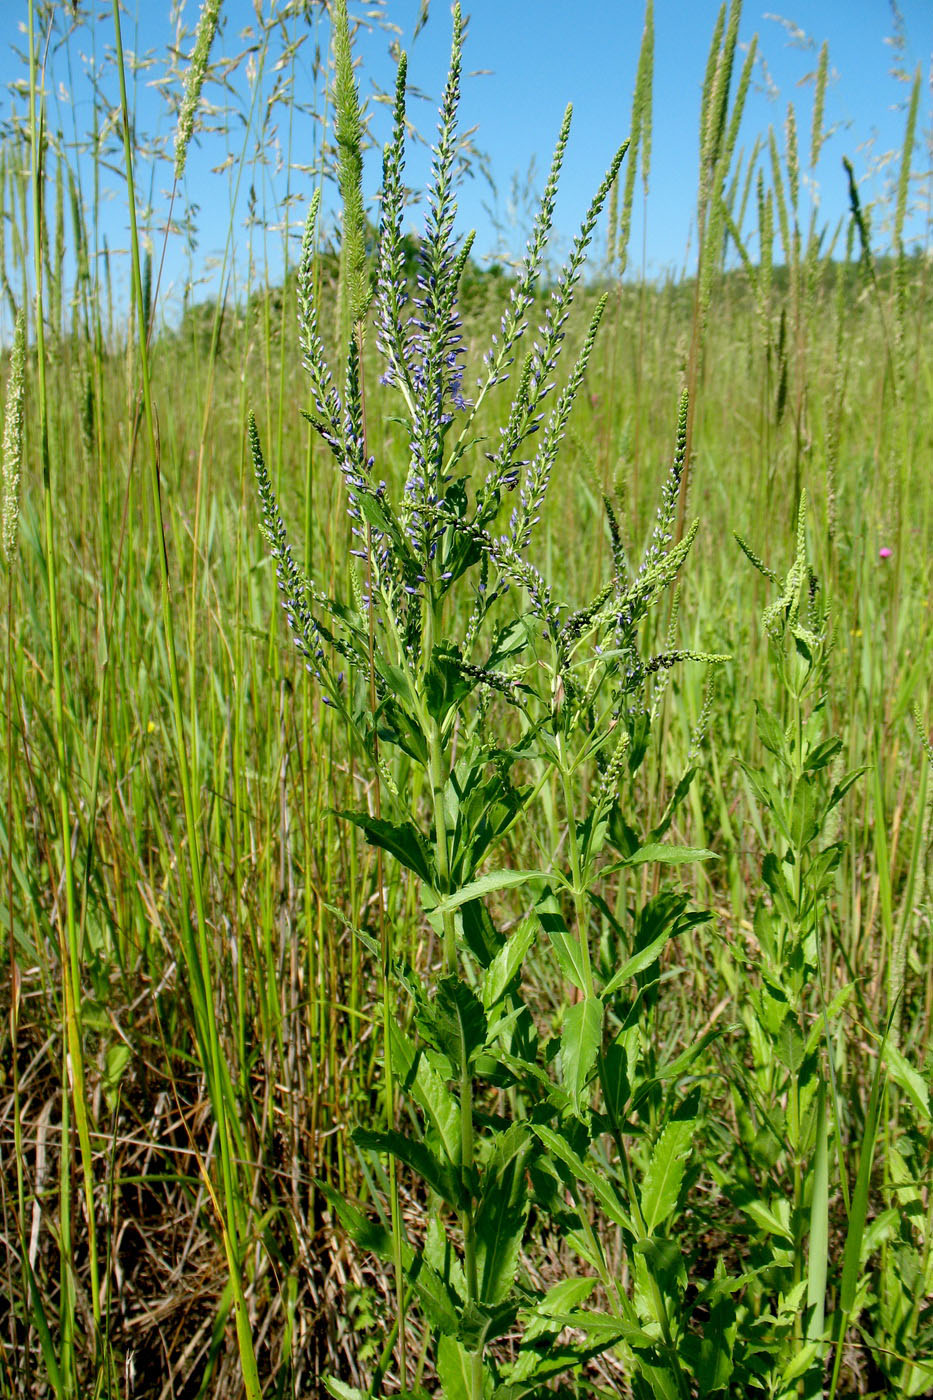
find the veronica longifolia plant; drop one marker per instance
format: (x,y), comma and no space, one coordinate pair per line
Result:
(449,623)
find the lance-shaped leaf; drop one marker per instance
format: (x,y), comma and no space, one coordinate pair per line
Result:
(489,884)
(443,1180)
(566,948)
(455,1369)
(457,1018)
(501,1214)
(401,839)
(427,1089)
(586,1173)
(579,1045)
(665,1173)
(507,963)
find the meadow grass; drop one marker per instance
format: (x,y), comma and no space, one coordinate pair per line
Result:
(202,954)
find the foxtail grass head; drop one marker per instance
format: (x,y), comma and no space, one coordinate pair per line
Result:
(194,82)
(13,438)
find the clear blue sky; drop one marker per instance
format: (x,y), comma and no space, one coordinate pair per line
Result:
(534,57)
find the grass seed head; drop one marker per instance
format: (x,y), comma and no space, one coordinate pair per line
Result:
(13,438)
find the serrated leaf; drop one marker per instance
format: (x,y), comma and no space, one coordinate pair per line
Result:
(459,1020)
(481,1323)
(566,946)
(440,1255)
(368,1235)
(500,1223)
(402,840)
(489,884)
(580,1040)
(776,881)
(454,1369)
(563,1297)
(770,731)
(427,1089)
(436,1298)
(508,962)
(665,1172)
(439,1176)
(670,811)
(790,1045)
(341,1391)
(821,754)
(638,962)
(583,1171)
(709,1355)
(661,854)
(765,1217)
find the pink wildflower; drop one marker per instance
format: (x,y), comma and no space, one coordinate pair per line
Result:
(884,552)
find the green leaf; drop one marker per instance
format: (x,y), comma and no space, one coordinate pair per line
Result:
(673,1069)
(438,1301)
(659,853)
(670,811)
(454,1369)
(907,1078)
(842,787)
(530,1370)
(427,1089)
(402,840)
(368,1235)
(852,1255)
(803,826)
(500,1217)
(489,884)
(563,1297)
(821,754)
(459,1020)
(579,1045)
(480,934)
(614,1080)
(768,796)
(665,1173)
(818,1251)
(765,1217)
(583,1171)
(566,946)
(789,1044)
(445,683)
(507,963)
(440,1254)
(341,1391)
(118,1057)
(776,881)
(439,1176)
(638,962)
(799,1364)
(709,1355)
(770,732)
(481,1323)
(603,1327)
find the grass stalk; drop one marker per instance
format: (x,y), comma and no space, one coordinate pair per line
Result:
(199,959)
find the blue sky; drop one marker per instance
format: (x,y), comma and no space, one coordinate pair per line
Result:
(524,60)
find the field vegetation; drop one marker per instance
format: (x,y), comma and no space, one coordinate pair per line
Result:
(523,985)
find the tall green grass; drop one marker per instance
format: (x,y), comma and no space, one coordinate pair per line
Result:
(193,1026)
